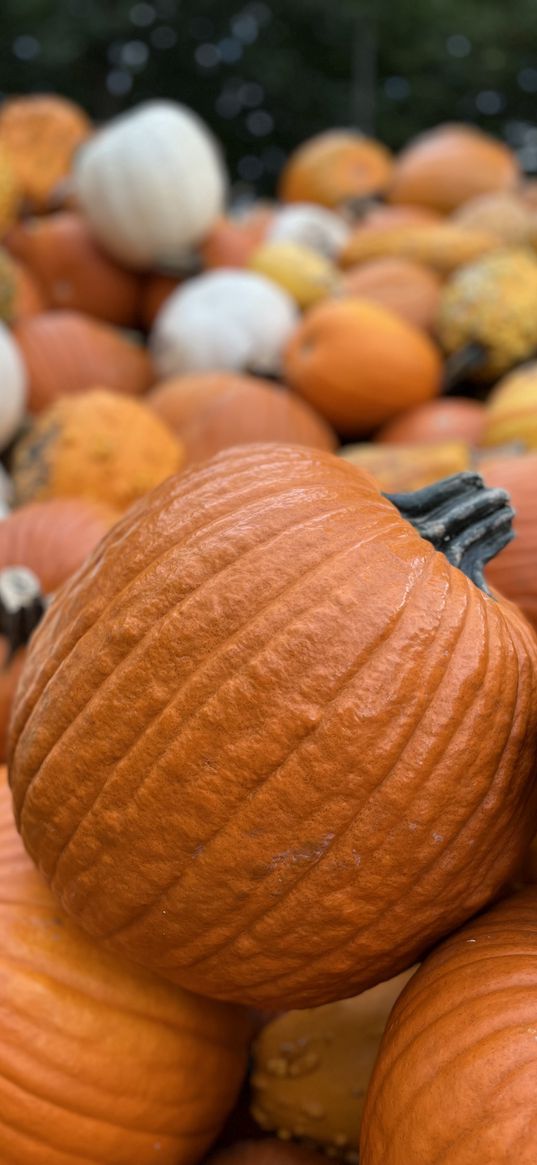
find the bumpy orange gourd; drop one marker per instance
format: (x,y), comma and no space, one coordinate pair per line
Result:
(98,446)
(211,411)
(446,166)
(335,167)
(254,714)
(67,352)
(407,467)
(455,1077)
(100,1062)
(443,246)
(359,364)
(72,271)
(409,289)
(511,413)
(514,571)
(40,133)
(448,419)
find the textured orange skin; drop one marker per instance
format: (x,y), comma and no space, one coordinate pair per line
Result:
(41,133)
(243,750)
(72,271)
(52,539)
(155,292)
(231,241)
(442,246)
(449,165)
(212,411)
(449,419)
(333,167)
(68,352)
(99,446)
(456,1075)
(406,288)
(514,571)
(270,1151)
(408,467)
(100,1062)
(359,364)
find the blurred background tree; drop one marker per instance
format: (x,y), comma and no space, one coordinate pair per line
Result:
(266,74)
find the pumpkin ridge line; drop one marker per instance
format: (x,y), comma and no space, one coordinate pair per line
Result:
(311,731)
(203,664)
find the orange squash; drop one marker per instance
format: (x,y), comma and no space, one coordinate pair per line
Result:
(67,352)
(233,238)
(254,714)
(450,164)
(406,467)
(40,133)
(409,289)
(71,270)
(448,419)
(359,364)
(335,167)
(100,1062)
(211,411)
(443,246)
(514,571)
(455,1077)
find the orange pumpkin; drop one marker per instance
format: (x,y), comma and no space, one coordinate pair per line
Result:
(511,414)
(100,1062)
(409,289)
(450,164)
(71,270)
(155,291)
(514,571)
(335,167)
(211,411)
(359,364)
(269,1151)
(52,539)
(40,133)
(233,238)
(448,419)
(455,1078)
(67,352)
(254,714)
(406,467)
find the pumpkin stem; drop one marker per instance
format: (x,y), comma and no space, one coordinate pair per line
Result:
(463,518)
(22,606)
(460,363)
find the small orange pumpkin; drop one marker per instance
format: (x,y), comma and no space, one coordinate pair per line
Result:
(335,167)
(450,164)
(72,271)
(40,133)
(359,364)
(67,352)
(233,238)
(447,419)
(211,411)
(409,289)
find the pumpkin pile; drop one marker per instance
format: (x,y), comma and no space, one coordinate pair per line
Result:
(268,698)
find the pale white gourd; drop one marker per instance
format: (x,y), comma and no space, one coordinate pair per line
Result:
(12,387)
(225,320)
(311,226)
(151,183)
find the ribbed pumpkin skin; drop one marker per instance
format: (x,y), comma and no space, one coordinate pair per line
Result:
(514,571)
(99,1062)
(67,352)
(456,1075)
(265,783)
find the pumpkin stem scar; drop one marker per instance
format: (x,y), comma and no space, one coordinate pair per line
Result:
(465,360)
(461,517)
(22,606)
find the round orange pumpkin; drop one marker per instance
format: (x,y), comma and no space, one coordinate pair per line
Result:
(41,133)
(253,714)
(335,167)
(455,1077)
(359,364)
(67,352)
(100,1062)
(450,164)
(211,411)
(448,419)
(71,270)
(514,571)
(232,239)
(409,289)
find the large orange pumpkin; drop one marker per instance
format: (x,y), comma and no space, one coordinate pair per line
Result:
(409,289)
(456,1073)
(359,364)
(446,166)
(448,419)
(243,750)
(99,1062)
(40,133)
(211,411)
(71,269)
(514,571)
(67,352)
(335,167)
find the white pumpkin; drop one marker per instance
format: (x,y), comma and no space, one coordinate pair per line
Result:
(12,387)
(225,320)
(151,184)
(310,226)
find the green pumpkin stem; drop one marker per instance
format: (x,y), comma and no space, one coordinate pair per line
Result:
(463,518)
(22,606)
